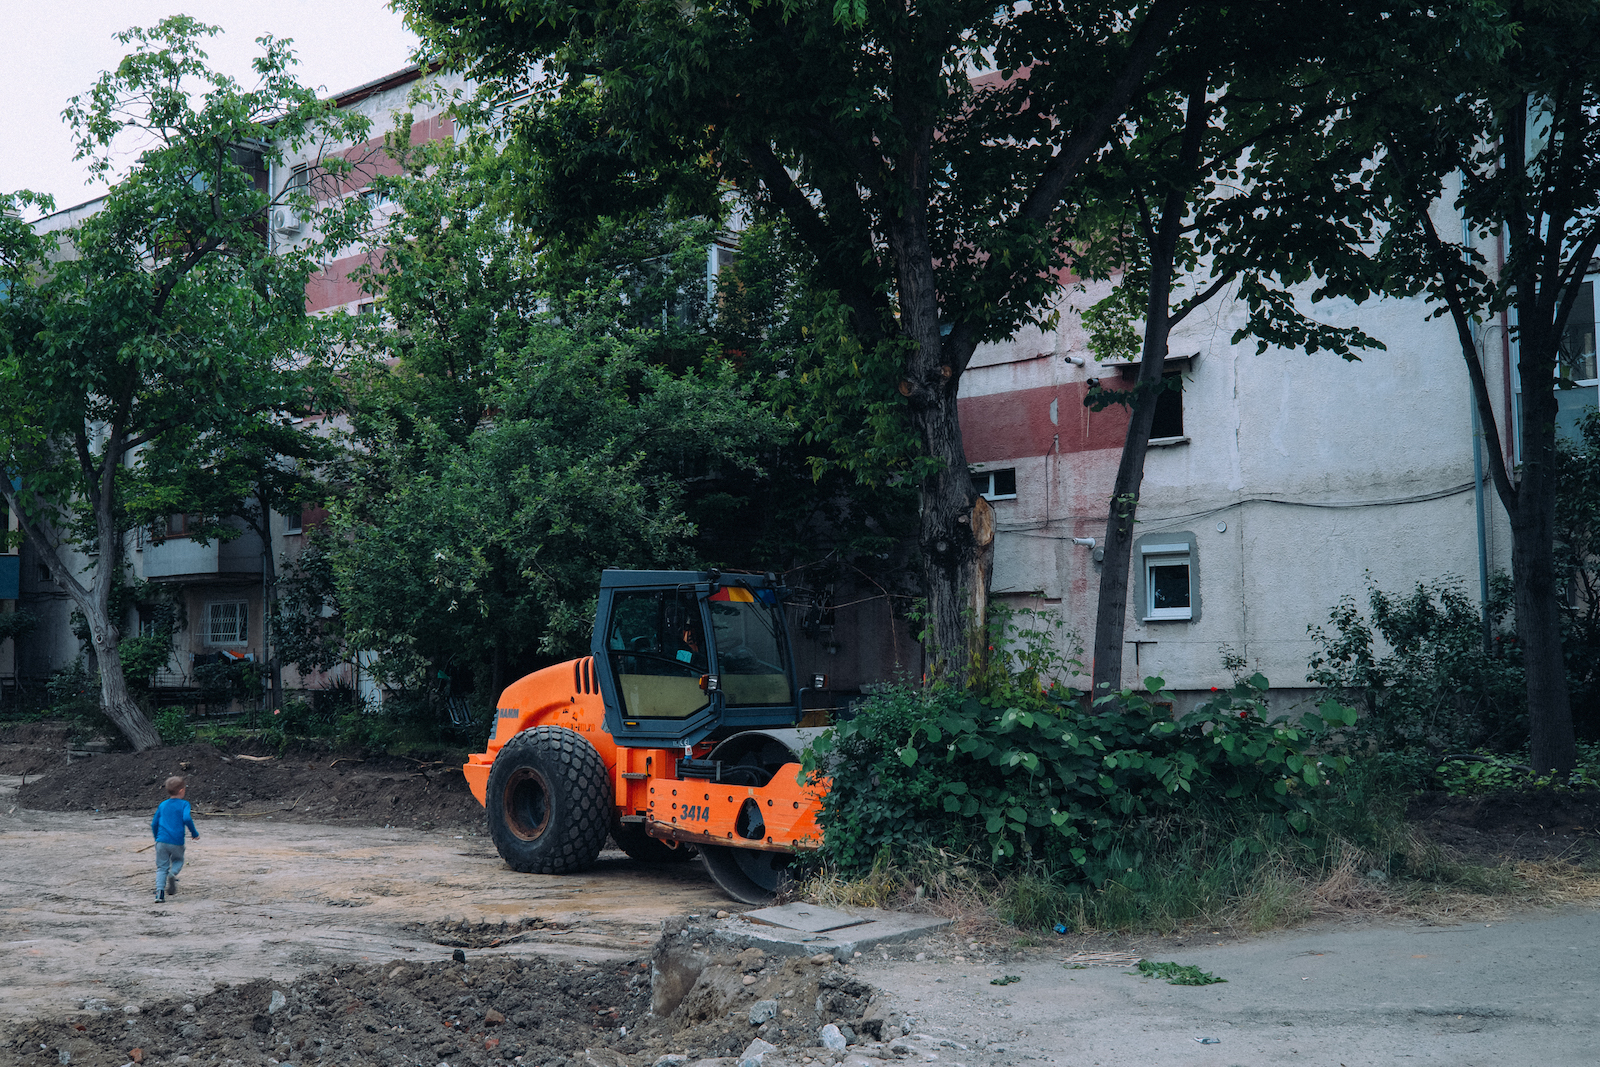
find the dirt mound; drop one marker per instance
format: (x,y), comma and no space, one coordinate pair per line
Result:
(370,791)
(544,1012)
(1542,825)
(32,748)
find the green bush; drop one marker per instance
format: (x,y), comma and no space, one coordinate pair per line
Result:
(1052,778)
(174,726)
(74,692)
(1436,688)
(1482,773)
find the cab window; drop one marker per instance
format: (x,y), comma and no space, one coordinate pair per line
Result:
(751,660)
(657,645)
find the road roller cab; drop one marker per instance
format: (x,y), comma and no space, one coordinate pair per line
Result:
(679,733)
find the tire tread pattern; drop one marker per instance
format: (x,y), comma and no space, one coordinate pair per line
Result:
(581,807)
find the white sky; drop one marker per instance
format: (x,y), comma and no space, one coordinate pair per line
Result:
(51,50)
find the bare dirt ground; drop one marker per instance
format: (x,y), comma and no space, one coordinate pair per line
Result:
(262,899)
(346,888)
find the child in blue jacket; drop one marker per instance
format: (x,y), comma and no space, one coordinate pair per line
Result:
(166,825)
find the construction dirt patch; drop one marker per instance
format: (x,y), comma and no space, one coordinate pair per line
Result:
(298,785)
(319,918)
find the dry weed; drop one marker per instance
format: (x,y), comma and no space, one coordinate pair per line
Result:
(1444,889)
(1560,883)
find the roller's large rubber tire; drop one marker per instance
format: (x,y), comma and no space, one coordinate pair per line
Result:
(631,838)
(548,802)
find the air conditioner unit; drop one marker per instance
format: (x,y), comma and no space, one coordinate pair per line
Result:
(285,221)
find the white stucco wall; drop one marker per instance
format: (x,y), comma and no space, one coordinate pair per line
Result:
(1323,472)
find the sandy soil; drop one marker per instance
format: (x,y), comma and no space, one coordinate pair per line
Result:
(260,898)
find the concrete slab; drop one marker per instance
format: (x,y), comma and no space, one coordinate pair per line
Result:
(689,945)
(870,926)
(806,917)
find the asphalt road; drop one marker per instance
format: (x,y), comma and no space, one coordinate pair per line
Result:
(1521,992)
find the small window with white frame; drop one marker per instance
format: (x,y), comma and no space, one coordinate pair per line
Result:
(1168,586)
(227,622)
(996,485)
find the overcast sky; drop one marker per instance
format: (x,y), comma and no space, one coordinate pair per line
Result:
(51,50)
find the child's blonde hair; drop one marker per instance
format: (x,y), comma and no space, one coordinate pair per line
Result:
(175,785)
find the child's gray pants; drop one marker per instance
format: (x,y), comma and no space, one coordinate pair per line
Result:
(169,861)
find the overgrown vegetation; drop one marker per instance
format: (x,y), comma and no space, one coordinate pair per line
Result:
(1578,559)
(1484,773)
(1103,812)
(1045,809)
(1417,669)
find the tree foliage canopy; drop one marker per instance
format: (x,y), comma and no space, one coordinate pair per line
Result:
(158,319)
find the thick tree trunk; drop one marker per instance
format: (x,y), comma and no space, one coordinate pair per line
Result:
(1533,577)
(1530,503)
(954,563)
(115,700)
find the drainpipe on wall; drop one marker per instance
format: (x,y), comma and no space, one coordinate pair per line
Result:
(1477,479)
(1478,501)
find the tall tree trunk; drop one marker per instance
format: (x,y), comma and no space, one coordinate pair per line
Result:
(953,560)
(115,699)
(1162,235)
(95,604)
(1533,573)
(1111,614)
(1530,503)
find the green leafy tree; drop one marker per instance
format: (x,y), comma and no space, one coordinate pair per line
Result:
(1223,177)
(1495,108)
(480,557)
(162,316)
(473,302)
(932,210)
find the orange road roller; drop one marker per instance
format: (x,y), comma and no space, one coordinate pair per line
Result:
(678,734)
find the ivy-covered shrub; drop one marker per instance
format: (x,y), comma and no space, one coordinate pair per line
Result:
(1416,667)
(1051,777)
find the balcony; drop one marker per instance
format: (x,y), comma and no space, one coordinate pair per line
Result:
(179,558)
